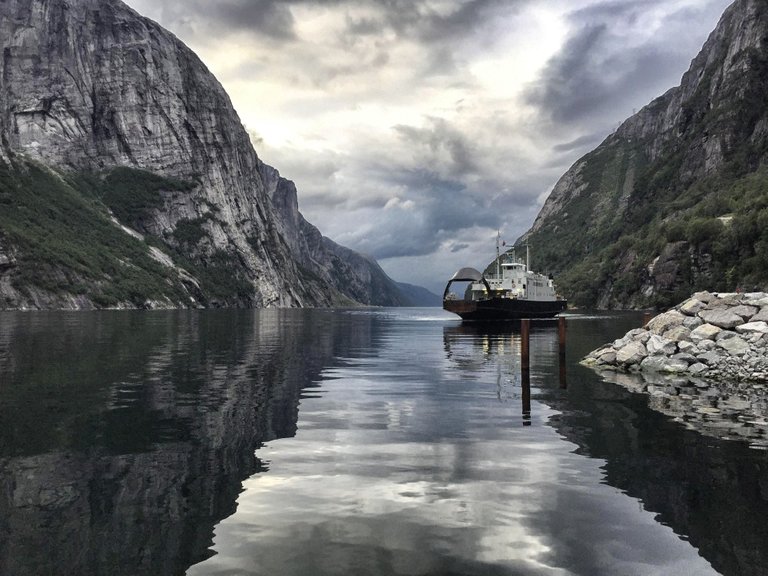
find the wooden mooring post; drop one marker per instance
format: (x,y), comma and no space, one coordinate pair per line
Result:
(525,340)
(525,362)
(561,332)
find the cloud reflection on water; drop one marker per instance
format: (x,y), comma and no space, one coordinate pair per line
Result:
(449,481)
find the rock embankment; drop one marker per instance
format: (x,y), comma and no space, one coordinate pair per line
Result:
(709,336)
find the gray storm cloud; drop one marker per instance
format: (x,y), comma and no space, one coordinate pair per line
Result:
(440,175)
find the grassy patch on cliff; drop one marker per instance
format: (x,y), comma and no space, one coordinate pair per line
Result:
(222,277)
(722,223)
(65,243)
(132,195)
(189,232)
(604,240)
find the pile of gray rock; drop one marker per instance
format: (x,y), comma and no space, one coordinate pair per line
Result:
(709,336)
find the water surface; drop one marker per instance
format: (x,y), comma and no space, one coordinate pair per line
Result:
(351,442)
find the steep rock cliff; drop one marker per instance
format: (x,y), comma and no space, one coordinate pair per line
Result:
(675,200)
(322,260)
(107,108)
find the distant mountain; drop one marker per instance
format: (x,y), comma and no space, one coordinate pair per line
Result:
(128,180)
(418,296)
(677,198)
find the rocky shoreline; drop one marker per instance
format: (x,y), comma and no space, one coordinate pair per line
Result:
(704,363)
(721,337)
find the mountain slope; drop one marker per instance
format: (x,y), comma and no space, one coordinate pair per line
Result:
(106,108)
(419,296)
(677,198)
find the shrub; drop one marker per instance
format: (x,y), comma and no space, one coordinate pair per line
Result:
(675,231)
(190,232)
(67,244)
(133,194)
(703,231)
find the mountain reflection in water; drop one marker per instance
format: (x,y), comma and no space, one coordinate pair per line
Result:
(125,437)
(386,442)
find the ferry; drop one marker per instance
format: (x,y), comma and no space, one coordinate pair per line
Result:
(514,292)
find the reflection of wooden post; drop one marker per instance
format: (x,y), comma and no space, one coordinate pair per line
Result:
(526,384)
(525,369)
(561,330)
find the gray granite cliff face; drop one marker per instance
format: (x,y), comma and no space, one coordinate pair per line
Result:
(704,362)
(715,79)
(90,85)
(640,183)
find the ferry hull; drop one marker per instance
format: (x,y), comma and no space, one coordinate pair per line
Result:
(498,309)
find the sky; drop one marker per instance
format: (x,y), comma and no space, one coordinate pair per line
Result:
(415,130)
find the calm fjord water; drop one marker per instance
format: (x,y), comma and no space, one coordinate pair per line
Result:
(350,442)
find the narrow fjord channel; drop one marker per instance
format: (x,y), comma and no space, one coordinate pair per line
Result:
(384,441)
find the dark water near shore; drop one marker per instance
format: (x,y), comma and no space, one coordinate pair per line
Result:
(351,442)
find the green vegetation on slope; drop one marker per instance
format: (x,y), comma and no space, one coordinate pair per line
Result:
(133,194)
(65,243)
(722,221)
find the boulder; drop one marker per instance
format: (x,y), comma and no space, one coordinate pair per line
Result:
(692,306)
(667,320)
(745,311)
(600,351)
(721,317)
(636,335)
(725,335)
(607,357)
(705,297)
(686,347)
(654,363)
(692,322)
(663,364)
(659,345)
(761,316)
(710,358)
(706,345)
(633,334)
(735,346)
(756,338)
(753,328)
(631,353)
(604,355)
(697,369)
(705,332)
(751,297)
(725,299)
(687,358)
(677,334)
